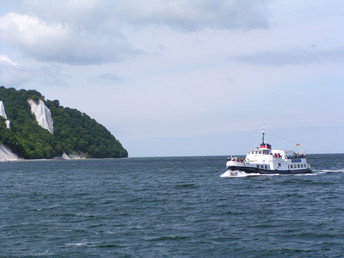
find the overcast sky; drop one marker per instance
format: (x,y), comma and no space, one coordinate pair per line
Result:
(186,77)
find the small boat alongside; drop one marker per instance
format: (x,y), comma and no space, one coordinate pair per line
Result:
(264,160)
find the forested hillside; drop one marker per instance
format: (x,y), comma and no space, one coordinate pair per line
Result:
(74,132)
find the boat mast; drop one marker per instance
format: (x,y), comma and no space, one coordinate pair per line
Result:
(264,127)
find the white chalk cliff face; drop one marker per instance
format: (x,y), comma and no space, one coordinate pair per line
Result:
(73,156)
(7,154)
(3,114)
(42,114)
(2,110)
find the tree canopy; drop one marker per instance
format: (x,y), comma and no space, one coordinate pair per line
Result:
(74,131)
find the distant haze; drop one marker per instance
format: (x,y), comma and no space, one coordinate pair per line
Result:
(186,77)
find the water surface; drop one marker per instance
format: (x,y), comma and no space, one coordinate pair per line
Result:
(169,207)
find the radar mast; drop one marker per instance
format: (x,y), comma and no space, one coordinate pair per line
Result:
(264,128)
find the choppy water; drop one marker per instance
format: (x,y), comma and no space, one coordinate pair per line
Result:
(169,207)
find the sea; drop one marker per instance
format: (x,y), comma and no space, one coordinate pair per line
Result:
(171,207)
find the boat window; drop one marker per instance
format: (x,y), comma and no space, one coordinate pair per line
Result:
(279,164)
(260,152)
(256,152)
(298,165)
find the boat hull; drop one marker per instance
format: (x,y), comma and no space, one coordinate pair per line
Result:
(268,171)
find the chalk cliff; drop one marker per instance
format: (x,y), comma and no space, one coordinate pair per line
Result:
(3,114)
(43,129)
(2,110)
(7,154)
(42,114)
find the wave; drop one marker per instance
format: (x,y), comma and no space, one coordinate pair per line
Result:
(237,173)
(186,186)
(322,172)
(163,238)
(330,171)
(77,244)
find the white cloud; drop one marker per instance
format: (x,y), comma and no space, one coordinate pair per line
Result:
(194,14)
(6,60)
(12,74)
(111,77)
(294,56)
(180,14)
(92,32)
(55,42)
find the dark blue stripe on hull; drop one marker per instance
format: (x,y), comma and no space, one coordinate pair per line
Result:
(266,171)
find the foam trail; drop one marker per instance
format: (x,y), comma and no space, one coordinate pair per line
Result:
(324,171)
(76,244)
(237,173)
(332,170)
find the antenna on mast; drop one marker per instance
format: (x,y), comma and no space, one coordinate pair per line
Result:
(264,127)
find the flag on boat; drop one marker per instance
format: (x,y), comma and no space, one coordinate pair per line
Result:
(297,145)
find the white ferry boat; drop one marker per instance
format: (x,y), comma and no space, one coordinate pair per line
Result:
(264,160)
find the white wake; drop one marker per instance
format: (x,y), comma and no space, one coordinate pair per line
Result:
(322,172)
(237,173)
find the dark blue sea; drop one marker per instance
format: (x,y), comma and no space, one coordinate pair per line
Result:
(169,207)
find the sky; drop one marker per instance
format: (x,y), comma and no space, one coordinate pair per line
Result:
(186,77)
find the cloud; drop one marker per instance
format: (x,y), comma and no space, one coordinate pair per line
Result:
(109,77)
(180,14)
(12,74)
(192,15)
(293,57)
(6,60)
(61,43)
(93,32)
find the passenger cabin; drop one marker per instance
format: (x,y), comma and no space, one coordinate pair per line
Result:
(265,158)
